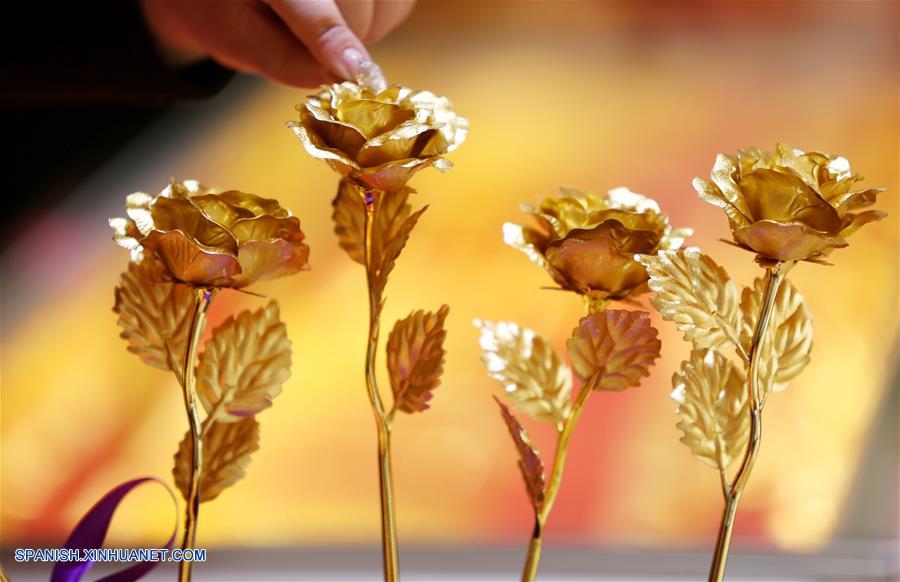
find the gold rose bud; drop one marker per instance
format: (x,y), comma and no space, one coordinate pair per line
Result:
(788,205)
(588,245)
(188,243)
(587,242)
(376,139)
(379,139)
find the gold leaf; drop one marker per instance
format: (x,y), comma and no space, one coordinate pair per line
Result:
(244,365)
(529,460)
(415,358)
(155,315)
(350,219)
(785,350)
(696,294)
(226,453)
(619,345)
(533,375)
(712,408)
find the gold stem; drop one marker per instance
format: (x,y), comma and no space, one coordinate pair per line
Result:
(382,422)
(532,561)
(774,277)
(202,299)
(534,551)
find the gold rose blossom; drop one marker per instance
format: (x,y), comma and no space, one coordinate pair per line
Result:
(376,141)
(187,243)
(587,243)
(786,207)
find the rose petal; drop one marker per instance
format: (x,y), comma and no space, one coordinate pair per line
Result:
(854,200)
(191,262)
(315,147)
(182,215)
(853,222)
(219,210)
(591,260)
(266,228)
(776,196)
(786,242)
(519,238)
(255,205)
(127,235)
(395,175)
(723,175)
(262,260)
(709,192)
(372,118)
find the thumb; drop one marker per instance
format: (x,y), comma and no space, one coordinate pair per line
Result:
(322,29)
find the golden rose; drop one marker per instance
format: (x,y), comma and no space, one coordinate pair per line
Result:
(379,140)
(587,242)
(209,239)
(790,205)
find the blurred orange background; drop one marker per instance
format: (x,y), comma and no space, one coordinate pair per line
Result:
(591,95)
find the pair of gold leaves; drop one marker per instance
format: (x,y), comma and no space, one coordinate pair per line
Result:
(242,368)
(393,222)
(701,299)
(415,347)
(613,349)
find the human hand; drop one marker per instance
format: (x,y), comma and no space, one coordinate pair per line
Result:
(301,43)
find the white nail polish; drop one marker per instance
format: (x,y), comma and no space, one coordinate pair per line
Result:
(364,70)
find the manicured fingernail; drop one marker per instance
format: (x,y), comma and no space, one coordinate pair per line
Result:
(364,71)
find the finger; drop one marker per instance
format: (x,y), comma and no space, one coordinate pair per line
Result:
(387,16)
(358,15)
(320,26)
(257,41)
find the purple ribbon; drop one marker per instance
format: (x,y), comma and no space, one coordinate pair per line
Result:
(91,531)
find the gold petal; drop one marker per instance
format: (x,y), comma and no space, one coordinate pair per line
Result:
(532,374)
(333,133)
(190,262)
(261,260)
(853,222)
(170,214)
(619,345)
(522,239)
(244,365)
(127,235)
(592,260)
(394,175)
(219,210)
(712,408)
(855,200)
(780,197)
(709,192)
(315,147)
(786,242)
(265,228)
(256,205)
(372,118)
(723,175)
